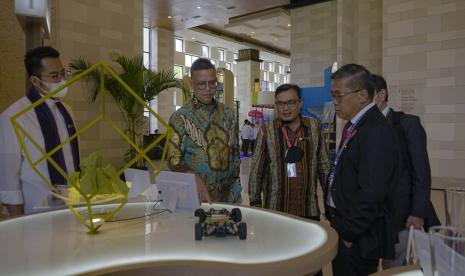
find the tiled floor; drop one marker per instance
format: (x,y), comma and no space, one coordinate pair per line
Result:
(436,196)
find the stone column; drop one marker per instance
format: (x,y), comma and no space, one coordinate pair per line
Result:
(248,69)
(95,30)
(13,73)
(162,58)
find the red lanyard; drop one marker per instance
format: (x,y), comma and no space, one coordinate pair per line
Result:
(286,137)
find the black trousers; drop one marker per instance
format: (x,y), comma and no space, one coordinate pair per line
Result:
(349,263)
(252,145)
(245,146)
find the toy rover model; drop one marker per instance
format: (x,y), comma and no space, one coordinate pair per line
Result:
(220,223)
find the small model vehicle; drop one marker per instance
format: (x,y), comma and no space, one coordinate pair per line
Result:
(220,223)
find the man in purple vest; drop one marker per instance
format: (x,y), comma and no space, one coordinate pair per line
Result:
(22,190)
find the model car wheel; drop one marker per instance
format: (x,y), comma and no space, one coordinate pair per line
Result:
(198,231)
(236,215)
(200,213)
(242,230)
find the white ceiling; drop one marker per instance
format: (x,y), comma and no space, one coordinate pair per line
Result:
(265,18)
(202,36)
(271,26)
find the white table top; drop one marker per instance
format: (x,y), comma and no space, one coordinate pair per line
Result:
(55,243)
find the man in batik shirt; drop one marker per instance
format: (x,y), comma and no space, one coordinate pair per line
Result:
(290,156)
(204,139)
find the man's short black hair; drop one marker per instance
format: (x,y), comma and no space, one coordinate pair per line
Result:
(380,83)
(201,64)
(288,86)
(358,78)
(33,59)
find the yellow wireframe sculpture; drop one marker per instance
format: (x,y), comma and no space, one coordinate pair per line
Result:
(88,200)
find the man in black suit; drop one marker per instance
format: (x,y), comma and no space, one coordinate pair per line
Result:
(359,202)
(413,204)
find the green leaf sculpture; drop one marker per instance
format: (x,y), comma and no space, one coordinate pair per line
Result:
(94,181)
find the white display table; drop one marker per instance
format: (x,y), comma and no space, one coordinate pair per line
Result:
(55,243)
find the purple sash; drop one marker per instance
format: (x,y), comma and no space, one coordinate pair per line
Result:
(52,138)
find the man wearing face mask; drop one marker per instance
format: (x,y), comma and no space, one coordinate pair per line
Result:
(22,190)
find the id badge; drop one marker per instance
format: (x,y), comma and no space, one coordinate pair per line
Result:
(291,170)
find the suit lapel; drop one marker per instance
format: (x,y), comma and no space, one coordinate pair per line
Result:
(354,135)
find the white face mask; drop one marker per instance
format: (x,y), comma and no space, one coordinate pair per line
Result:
(52,86)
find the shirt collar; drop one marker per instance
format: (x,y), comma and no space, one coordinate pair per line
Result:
(303,120)
(386,111)
(361,113)
(197,104)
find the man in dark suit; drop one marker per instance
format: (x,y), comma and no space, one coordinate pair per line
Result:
(413,204)
(359,202)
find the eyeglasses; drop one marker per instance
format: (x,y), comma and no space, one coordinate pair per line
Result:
(337,97)
(203,84)
(64,75)
(289,104)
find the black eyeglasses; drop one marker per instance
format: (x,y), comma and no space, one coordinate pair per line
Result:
(289,104)
(63,75)
(203,84)
(337,97)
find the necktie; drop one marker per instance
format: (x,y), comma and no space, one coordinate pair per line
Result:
(345,134)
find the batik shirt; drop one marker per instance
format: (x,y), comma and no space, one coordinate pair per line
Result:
(205,142)
(268,173)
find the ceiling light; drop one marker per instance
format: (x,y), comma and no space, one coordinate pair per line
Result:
(169,16)
(193,38)
(289,24)
(199,7)
(253,32)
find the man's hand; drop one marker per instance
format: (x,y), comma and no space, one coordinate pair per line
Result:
(347,244)
(202,191)
(415,221)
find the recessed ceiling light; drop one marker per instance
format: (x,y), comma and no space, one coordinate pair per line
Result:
(253,32)
(169,16)
(289,24)
(199,7)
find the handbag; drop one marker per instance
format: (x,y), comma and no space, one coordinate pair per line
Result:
(411,253)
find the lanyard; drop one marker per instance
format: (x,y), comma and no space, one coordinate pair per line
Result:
(350,131)
(286,137)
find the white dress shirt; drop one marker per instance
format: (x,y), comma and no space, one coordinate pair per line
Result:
(255,132)
(246,132)
(386,111)
(19,183)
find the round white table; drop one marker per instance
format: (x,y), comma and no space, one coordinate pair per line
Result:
(55,243)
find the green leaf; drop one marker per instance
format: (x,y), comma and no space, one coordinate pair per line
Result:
(73,179)
(88,183)
(146,83)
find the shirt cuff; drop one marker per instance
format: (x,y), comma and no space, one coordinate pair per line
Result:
(12,197)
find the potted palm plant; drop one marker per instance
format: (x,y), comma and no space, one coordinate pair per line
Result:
(145,83)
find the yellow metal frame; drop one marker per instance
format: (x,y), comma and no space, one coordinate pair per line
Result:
(21,134)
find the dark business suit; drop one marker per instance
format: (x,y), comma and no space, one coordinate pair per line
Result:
(414,189)
(362,191)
